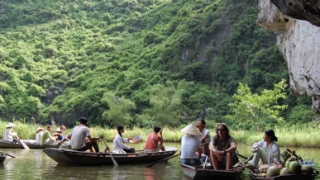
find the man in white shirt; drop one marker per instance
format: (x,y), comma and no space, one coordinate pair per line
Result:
(205,136)
(78,137)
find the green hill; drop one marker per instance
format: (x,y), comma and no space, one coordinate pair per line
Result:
(134,62)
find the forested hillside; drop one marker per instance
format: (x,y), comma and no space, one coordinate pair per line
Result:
(134,62)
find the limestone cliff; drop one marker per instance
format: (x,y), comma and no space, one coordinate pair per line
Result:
(299,41)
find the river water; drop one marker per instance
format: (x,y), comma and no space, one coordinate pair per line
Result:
(34,164)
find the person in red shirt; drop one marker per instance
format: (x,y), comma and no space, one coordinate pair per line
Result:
(154,141)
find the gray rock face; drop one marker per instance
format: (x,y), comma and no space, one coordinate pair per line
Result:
(299,41)
(308,10)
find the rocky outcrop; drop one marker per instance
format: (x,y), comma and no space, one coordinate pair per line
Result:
(300,9)
(299,41)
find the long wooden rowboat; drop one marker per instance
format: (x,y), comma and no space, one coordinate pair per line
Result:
(197,172)
(8,144)
(285,177)
(67,156)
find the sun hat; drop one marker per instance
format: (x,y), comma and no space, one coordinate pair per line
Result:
(39,128)
(10,125)
(191,130)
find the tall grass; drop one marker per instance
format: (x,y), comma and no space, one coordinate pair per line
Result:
(294,136)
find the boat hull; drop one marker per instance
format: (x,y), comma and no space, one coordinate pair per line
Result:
(199,173)
(285,177)
(65,156)
(11,145)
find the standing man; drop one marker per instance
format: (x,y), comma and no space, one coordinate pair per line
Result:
(78,137)
(205,136)
(154,141)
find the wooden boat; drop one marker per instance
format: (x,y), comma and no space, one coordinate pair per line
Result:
(67,156)
(284,177)
(197,172)
(9,144)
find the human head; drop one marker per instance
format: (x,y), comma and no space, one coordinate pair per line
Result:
(83,120)
(63,128)
(39,129)
(9,125)
(201,123)
(120,129)
(269,134)
(58,130)
(156,129)
(222,128)
(49,127)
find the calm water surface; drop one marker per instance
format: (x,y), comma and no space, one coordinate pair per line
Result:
(34,164)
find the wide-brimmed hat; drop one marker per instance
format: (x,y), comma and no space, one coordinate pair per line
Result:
(39,128)
(58,130)
(10,125)
(191,130)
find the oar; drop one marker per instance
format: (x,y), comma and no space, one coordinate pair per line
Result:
(247,159)
(162,160)
(107,147)
(7,154)
(242,156)
(205,163)
(23,144)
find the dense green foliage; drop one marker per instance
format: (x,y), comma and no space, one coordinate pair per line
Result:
(135,62)
(259,110)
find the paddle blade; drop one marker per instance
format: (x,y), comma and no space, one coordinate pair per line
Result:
(24,145)
(107,147)
(114,162)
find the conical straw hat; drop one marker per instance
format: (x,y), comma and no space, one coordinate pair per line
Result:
(39,128)
(191,130)
(10,125)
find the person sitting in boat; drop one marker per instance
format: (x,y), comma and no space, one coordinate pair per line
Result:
(8,134)
(265,150)
(223,148)
(78,137)
(190,144)
(205,137)
(39,133)
(154,141)
(59,134)
(46,138)
(118,142)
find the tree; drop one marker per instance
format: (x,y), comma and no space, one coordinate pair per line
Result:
(263,109)
(119,110)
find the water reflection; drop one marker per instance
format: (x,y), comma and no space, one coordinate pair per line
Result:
(149,174)
(34,164)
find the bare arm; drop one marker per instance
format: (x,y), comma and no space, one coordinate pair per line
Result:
(203,139)
(214,150)
(160,138)
(95,138)
(232,148)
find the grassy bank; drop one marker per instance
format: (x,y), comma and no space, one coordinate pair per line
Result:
(295,136)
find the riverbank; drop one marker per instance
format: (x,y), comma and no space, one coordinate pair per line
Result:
(294,136)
